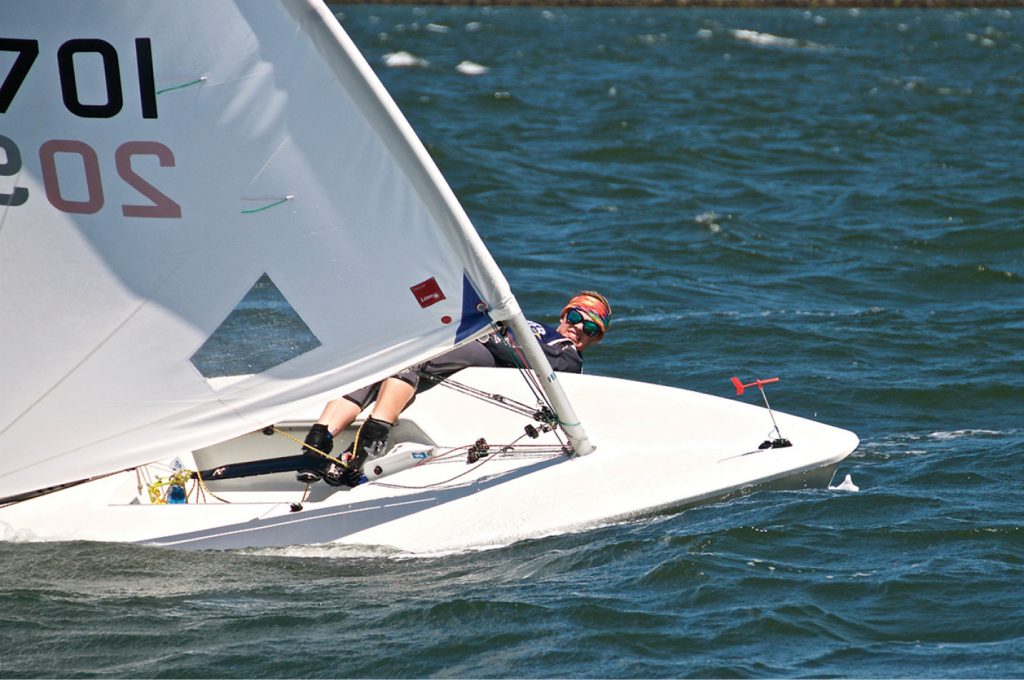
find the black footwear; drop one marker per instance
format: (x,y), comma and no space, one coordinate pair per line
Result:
(319,438)
(370,442)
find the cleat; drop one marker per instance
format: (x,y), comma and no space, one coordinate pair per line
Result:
(337,475)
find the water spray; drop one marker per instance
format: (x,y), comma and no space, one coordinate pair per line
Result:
(779,442)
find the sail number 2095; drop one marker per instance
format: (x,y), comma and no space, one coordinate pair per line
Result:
(79,158)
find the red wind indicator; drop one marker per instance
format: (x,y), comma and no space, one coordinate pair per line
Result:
(757,383)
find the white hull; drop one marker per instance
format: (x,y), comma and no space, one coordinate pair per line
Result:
(657,448)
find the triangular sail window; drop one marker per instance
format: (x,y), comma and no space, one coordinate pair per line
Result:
(261,332)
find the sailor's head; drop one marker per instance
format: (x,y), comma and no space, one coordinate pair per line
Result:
(585,319)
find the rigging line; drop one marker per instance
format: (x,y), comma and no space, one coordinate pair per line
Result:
(307,446)
(433,484)
(506,451)
(201,485)
(498,399)
(532,380)
(528,374)
(519,362)
(483,461)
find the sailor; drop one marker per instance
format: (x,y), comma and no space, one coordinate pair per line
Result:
(584,321)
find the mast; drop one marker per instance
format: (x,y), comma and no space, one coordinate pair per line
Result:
(538,362)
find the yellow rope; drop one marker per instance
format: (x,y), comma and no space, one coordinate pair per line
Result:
(160,487)
(157,493)
(311,448)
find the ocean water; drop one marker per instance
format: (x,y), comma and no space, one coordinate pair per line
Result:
(831,197)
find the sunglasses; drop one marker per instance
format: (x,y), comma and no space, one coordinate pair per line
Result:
(575,316)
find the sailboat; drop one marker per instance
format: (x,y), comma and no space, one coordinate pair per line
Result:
(196,201)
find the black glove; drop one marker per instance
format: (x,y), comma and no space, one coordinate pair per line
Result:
(319,438)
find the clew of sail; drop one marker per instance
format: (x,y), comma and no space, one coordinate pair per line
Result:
(211,213)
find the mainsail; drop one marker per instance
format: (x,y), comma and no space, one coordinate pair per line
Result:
(177,181)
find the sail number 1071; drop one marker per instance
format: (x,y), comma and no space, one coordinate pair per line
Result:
(27,51)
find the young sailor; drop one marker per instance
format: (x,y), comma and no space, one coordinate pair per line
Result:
(584,321)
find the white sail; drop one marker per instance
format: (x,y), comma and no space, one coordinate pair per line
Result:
(177,181)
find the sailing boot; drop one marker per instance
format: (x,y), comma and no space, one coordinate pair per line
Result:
(370,442)
(319,438)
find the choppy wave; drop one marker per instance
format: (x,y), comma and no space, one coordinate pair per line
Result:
(403,60)
(769,40)
(471,68)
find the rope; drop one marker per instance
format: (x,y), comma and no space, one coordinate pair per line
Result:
(159,488)
(520,361)
(201,484)
(158,494)
(505,449)
(298,441)
(498,399)
(509,404)
(533,383)
(530,377)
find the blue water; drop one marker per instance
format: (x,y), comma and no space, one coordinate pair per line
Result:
(833,197)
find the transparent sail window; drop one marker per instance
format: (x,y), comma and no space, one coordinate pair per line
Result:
(261,332)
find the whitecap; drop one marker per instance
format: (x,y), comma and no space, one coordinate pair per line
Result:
(981,40)
(329,550)
(759,38)
(470,68)
(403,60)
(652,38)
(437,28)
(846,485)
(958,434)
(769,40)
(474,26)
(816,18)
(709,220)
